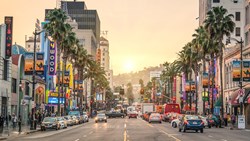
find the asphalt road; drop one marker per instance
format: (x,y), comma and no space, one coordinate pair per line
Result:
(124,129)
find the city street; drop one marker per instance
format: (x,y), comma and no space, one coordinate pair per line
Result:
(119,129)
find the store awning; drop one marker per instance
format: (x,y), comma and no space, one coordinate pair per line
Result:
(234,98)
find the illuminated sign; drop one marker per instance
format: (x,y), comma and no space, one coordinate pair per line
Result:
(54,100)
(9,26)
(52,58)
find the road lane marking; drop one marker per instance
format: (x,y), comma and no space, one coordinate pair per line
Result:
(77,140)
(169,135)
(210,136)
(125,135)
(223,140)
(125,125)
(91,132)
(84,136)
(150,125)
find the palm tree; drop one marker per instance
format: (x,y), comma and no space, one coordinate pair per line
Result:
(219,23)
(57,30)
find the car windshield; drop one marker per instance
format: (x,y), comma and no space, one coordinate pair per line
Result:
(74,113)
(190,117)
(84,113)
(100,115)
(47,119)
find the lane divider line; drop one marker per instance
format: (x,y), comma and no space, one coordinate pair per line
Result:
(77,140)
(169,135)
(91,132)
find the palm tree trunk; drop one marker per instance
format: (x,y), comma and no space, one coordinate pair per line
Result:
(221,78)
(204,89)
(196,88)
(64,91)
(213,83)
(208,87)
(81,95)
(58,76)
(78,91)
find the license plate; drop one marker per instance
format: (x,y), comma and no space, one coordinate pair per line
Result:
(194,122)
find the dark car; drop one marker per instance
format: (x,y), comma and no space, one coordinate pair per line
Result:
(50,123)
(100,118)
(191,122)
(213,120)
(78,115)
(115,114)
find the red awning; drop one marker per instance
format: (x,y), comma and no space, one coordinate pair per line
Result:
(234,98)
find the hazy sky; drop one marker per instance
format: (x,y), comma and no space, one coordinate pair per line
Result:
(141,33)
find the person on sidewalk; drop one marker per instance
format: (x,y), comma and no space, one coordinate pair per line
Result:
(233,119)
(1,123)
(19,124)
(14,120)
(225,119)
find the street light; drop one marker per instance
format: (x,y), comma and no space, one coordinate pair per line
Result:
(241,64)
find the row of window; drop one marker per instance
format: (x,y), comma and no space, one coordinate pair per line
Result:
(218,1)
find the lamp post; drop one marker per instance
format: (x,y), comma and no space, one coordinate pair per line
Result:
(241,77)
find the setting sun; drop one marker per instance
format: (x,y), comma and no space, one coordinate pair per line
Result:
(128,66)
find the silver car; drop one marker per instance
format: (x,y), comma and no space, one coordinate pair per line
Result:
(69,120)
(155,117)
(63,122)
(85,117)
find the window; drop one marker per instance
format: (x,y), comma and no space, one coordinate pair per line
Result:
(216,1)
(27,88)
(13,85)
(5,70)
(237,31)
(103,59)
(237,16)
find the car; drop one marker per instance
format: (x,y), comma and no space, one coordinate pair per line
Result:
(69,120)
(78,115)
(132,114)
(63,122)
(172,116)
(147,115)
(191,122)
(85,117)
(50,123)
(115,114)
(100,117)
(75,119)
(166,117)
(213,120)
(206,122)
(154,117)
(175,122)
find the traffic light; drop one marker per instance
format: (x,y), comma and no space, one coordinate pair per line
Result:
(121,91)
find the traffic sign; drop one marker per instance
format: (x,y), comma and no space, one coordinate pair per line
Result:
(241,92)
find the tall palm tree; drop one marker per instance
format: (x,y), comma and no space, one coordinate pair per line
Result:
(57,29)
(219,23)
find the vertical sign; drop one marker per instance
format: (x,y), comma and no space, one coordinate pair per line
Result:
(8,44)
(28,68)
(246,71)
(236,70)
(80,86)
(66,79)
(40,64)
(52,58)
(57,83)
(205,80)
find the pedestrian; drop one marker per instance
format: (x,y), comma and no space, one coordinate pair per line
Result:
(225,119)
(1,123)
(233,119)
(19,124)
(14,120)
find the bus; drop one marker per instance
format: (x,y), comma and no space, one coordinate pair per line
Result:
(171,108)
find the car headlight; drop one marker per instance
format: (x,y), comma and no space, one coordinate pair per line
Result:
(96,118)
(54,124)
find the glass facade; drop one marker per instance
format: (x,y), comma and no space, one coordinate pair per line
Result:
(86,19)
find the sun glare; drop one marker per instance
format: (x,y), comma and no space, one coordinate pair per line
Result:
(128,66)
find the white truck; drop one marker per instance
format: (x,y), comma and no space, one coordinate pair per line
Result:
(147,107)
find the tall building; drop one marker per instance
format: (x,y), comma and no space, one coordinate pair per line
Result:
(105,60)
(86,19)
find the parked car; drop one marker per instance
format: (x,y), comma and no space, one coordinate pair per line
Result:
(114,114)
(166,117)
(154,117)
(75,119)
(78,115)
(172,116)
(85,117)
(206,122)
(69,120)
(132,114)
(147,115)
(100,117)
(50,123)
(213,120)
(191,122)
(63,122)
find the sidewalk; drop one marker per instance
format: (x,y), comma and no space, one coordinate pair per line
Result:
(9,132)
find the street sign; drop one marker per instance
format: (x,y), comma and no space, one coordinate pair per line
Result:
(241,121)
(241,92)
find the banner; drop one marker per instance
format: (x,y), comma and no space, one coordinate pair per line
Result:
(236,70)
(246,71)
(60,78)
(190,84)
(8,42)
(52,58)
(39,63)
(66,79)
(205,80)
(28,67)
(78,85)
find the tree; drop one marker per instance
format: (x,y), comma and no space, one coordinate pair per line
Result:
(129,93)
(57,29)
(219,23)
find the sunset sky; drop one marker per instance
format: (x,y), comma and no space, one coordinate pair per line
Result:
(141,33)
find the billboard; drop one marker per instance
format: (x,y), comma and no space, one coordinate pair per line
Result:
(54,100)
(28,67)
(190,84)
(78,85)
(40,64)
(8,42)
(66,78)
(236,70)
(52,58)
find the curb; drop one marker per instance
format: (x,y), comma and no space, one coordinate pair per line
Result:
(33,131)
(3,138)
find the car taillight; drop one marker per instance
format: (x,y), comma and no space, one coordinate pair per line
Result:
(202,123)
(186,122)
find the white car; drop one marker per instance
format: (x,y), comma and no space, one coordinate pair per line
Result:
(175,122)
(62,122)
(85,117)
